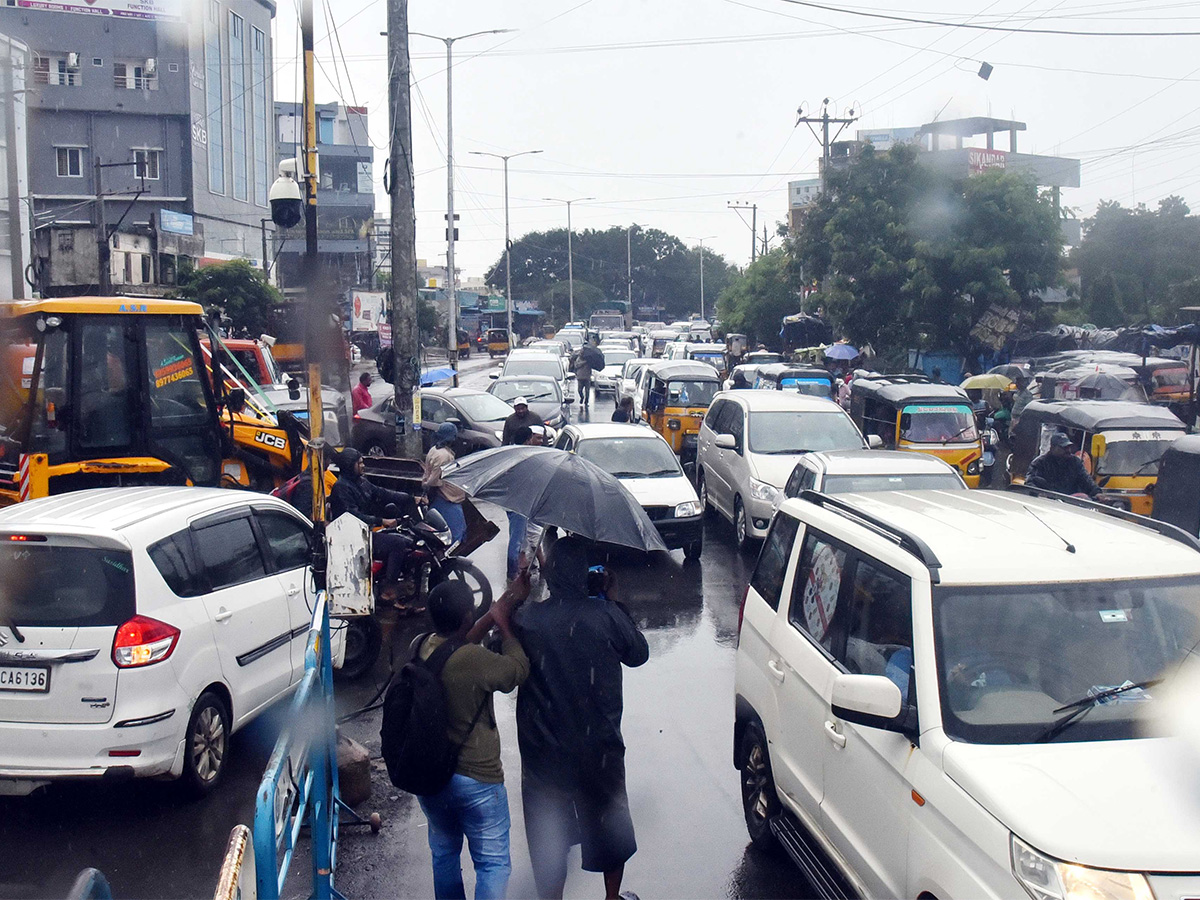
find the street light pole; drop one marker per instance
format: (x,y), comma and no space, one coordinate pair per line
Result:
(570,254)
(508,297)
(451,292)
(707,237)
(629,267)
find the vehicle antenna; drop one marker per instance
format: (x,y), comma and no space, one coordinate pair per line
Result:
(1070,547)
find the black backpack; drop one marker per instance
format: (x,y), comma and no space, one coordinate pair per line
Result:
(417,749)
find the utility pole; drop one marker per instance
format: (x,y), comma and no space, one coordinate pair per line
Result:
(405,339)
(825,120)
(508,297)
(753,207)
(629,267)
(707,237)
(451,218)
(103,247)
(266,261)
(570,253)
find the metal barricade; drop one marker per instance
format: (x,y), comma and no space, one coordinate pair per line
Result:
(300,785)
(236,881)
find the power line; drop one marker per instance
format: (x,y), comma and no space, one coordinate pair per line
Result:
(975,27)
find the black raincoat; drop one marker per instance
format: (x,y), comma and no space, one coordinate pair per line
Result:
(569,709)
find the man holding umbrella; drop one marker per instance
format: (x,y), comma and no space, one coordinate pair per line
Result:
(588,360)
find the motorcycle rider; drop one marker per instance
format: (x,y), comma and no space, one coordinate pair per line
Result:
(1059,469)
(354,494)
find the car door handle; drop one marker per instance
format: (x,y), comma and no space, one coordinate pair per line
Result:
(831,732)
(776,669)
(224,615)
(292,590)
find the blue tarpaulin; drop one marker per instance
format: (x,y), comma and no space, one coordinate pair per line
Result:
(433,376)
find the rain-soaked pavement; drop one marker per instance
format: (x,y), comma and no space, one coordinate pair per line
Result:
(683,790)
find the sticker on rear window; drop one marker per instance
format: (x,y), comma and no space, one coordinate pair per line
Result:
(1113,615)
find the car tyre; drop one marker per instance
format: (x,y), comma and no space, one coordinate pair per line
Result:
(760,802)
(364,639)
(741,528)
(694,549)
(702,489)
(206,745)
(373,448)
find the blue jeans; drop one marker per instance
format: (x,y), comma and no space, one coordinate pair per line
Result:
(453,514)
(478,811)
(516,537)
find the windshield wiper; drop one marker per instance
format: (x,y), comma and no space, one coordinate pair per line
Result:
(12,626)
(1076,709)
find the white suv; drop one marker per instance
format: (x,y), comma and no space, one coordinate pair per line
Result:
(141,627)
(956,694)
(749,443)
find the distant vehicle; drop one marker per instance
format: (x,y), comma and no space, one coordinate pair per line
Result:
(607,320)
(177,614)
(555,346)
(866,471)
(627,386)
(750,441)
(572,337)
(659,339)
(608,379)
(646,466)
(478,415)
(812,380)
(535,362)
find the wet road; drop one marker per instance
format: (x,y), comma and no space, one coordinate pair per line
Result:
(683,790)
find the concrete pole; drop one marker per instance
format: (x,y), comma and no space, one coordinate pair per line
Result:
(451,280)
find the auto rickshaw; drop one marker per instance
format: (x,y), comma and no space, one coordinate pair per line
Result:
(1177,492)
(908,412)
(675,397)
(464,344)
(812,381)
(1120,443)
(658,341)
(497,342)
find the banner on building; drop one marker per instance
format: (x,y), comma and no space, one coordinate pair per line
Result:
(366,310)
(980,159)
(995,326)
(125,9)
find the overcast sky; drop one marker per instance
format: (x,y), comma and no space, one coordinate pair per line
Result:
(665,110)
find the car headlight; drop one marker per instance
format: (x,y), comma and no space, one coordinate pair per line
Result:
(974,468)
(760,490)
(1048,879)
(687,509)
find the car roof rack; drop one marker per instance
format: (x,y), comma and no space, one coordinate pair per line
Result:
(1166,529)
(906,540)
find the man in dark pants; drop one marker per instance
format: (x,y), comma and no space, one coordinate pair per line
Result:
(569,726)
(1059,469)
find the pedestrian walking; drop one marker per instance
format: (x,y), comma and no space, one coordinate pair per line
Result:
(522,416)
(446,498)
(474,805)
(360,397)
(569,725)
(587,361)
(520,532)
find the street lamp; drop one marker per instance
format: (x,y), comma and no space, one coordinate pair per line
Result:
(707,237)
(629,267)
(570,262)
(508,297)
(452,316)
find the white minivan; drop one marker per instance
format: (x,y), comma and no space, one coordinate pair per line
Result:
(749,443)
(951,694)
(141,627)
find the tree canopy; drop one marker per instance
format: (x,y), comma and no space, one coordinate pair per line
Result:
(907,255)
(239,290)
(666,272)
(755,303)
(1137,264)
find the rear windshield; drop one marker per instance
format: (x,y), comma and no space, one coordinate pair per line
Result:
(45,585)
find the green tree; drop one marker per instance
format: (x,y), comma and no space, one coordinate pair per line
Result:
(235,289)
(906,254)
(666,272)
(756,301)
(1137,264)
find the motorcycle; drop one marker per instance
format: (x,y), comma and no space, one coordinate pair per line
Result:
(430,562)
(991,450)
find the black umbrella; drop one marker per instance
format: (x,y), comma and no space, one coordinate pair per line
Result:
(593,357)
(553,487)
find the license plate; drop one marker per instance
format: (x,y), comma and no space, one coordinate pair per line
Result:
(21,678)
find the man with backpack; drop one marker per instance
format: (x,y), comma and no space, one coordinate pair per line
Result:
(449,755)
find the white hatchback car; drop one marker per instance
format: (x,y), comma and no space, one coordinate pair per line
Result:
(866,471)
(644,463)
(141,627)
(913,719)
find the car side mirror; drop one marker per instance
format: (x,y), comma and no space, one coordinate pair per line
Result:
(726,442)
(235,400)
(493,375)
(874,701)
(874,441)
(293,389)
(455,421)
(567,401)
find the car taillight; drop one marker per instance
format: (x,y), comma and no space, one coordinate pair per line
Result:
(142,641)
(742,610)
(357,417)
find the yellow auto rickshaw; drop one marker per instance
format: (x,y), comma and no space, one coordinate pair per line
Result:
(675,397)
(909,412)
(464,344)
(497,342)
(1120,443)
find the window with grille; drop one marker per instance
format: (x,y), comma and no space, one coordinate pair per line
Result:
(146,163)
(70,162)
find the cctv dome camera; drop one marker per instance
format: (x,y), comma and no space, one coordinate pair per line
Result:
(287,203)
